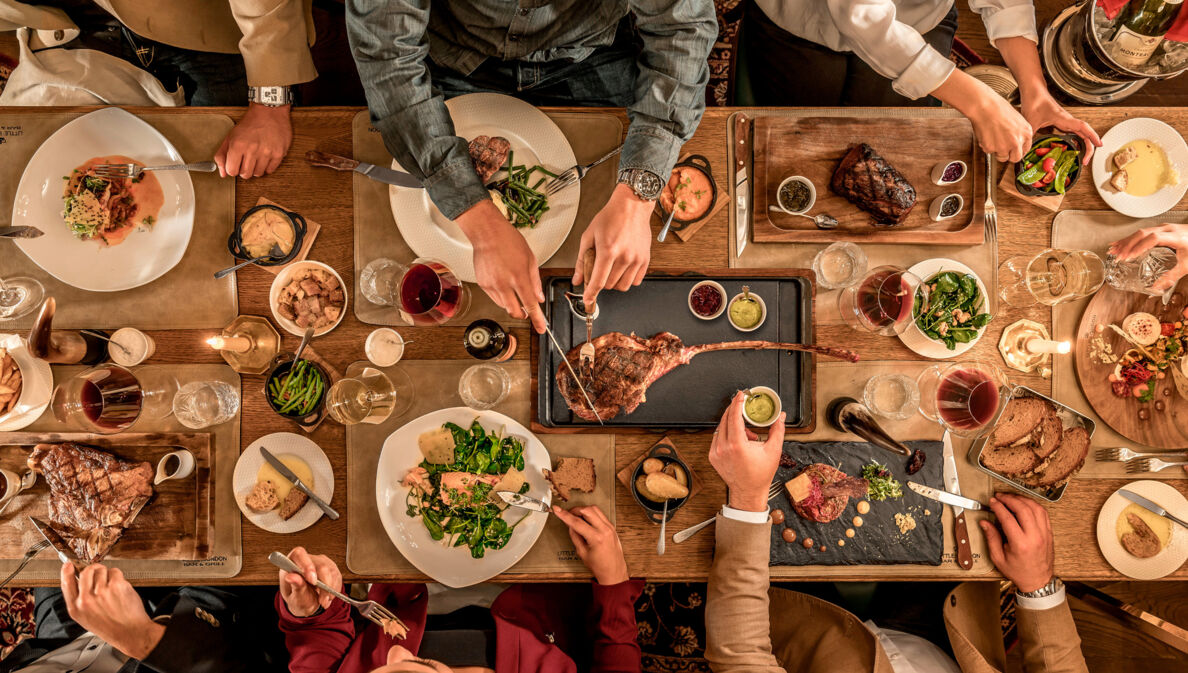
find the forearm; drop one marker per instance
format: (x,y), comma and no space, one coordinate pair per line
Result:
(1049,640)
(737,622)
(1022,57)
(612,622)
(144,642)
(318,643)
(966,94)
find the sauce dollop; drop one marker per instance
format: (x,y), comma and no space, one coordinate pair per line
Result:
(745,313)
(760,408)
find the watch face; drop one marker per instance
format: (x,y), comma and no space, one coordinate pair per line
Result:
(647,185)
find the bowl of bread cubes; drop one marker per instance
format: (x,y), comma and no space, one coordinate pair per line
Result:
(661,477)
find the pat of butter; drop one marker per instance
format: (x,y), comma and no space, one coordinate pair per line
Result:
(799,487)
(283,486)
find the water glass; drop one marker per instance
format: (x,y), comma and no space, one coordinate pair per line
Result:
(379,282)
(840,265)
(19,297)
(201,404)
(482,386)
(1052,277)
(892,396)
(1139,274)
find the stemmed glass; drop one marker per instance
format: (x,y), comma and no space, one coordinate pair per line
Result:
(367,395)
(882,302)
(963,397)
(425,292)
(109,398)
(19,297)
(1052,277)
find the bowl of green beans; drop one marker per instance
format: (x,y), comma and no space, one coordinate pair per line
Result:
(297,389)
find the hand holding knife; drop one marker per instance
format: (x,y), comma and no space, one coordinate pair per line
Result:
(297,483)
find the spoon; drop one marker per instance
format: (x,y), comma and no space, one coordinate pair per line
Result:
(274,253)
(108,340)
(297,356)
(667,225)
(822,221)
(663,526)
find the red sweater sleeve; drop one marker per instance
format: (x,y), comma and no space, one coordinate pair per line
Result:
(316,644)
(612,621)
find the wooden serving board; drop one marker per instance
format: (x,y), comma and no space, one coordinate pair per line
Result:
(177,524)
(1165,428)
(813,147)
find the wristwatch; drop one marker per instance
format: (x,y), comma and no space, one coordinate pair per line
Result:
(645,184)
(1044,591)
(271,96)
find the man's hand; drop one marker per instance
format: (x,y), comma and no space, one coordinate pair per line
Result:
(257,144)
(104,603)
(503,263)
(621,238)
(1028,556)
(1174,236)
(597,543)
(298,591)
(1041,110)
(744,463)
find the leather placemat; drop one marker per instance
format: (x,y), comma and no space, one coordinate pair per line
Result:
(188,297)
(370,552)
(226,556)
(311,233)
(590,134)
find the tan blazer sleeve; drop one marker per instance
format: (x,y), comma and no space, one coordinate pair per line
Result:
(275,43)
(14,15)
(737,624)
(1050,641)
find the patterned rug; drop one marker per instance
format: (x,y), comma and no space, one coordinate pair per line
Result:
(16,618)
(671,622)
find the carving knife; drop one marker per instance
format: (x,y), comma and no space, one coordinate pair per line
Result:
(960,531)
(946,497)
(1150,506)
(586,355)
(20,232)
(742,189)
(578,381)
(57,543)
(297,483)
(523,501)
(377,173)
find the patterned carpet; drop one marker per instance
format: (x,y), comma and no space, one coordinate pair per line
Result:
(671,622)
(16,618)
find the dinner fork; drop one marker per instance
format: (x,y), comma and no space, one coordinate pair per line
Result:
(776,487)
(1139,465)
(1122,454)
(112,171)
(575,174)
(371,610)
(32,551)
(990,216)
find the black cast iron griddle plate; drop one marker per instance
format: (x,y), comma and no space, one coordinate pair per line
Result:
(692,396)
(878,540)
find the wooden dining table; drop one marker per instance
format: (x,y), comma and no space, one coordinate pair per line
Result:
(325,196)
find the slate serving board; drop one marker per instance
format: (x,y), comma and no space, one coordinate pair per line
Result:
(878,541)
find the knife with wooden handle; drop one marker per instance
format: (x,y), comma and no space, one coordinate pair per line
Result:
(960,530)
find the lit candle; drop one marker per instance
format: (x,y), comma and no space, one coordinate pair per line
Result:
(1038,345)
(235,344)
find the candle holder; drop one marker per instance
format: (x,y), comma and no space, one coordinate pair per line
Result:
(1027,347)
(256,354)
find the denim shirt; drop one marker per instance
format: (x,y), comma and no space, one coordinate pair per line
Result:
(390,40)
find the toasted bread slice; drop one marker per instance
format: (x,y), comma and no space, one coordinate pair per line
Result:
(1050,434)
(1018,420)
(293,503)
(263,497)
(1009,460)
(572,474)
(1069,458)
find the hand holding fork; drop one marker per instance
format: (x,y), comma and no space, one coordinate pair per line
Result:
(300,596)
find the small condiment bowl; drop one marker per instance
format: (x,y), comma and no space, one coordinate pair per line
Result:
(380,335)
(1074,142)
(775,397)
(721,293)
(655,510)
(934,208)
(938,173)
(812,199)
(279,372)
(284,277)
(235,243)
(174,465)
(762,312)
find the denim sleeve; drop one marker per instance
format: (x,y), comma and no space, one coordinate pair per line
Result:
(673,71)
(389,44)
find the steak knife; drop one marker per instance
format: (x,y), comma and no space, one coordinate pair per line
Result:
(20,232)
(742,192)
(377,173)
(1150,506)
(960,532)
(55,541)
(297,483)
(523,501)
(946,497)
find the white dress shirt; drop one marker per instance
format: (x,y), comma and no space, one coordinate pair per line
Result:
(888,34)
(85,654)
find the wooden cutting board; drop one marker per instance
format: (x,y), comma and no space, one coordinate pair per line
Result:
(1165,428)
(176,524)
(813,147)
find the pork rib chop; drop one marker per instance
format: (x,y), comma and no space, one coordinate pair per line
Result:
(93,495)
(625,365)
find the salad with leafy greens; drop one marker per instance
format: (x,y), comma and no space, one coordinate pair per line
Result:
(451,490)
(954,310)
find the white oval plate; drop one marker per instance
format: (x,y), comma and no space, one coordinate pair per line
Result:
(535,139)
(88,265)
(281,443)
(1141,128)
(1165,562)
(282,279)
(916,340)
(453,566)
(37,382)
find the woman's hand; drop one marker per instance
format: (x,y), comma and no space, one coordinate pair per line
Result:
(596,542)
(1001,130)
(1174,236)
(1041,110)
(298,591)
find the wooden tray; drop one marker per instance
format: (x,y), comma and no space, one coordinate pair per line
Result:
(177,524)
(813,146)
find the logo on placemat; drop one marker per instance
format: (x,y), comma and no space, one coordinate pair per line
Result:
(11,131)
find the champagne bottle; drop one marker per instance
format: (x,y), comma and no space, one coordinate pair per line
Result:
(1139,29)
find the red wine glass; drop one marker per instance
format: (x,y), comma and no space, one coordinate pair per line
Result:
(431,294)
(963,397)
(882,302)
(106,399)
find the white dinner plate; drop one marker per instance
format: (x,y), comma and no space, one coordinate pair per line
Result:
(453,566)
(89,265)
(280,444)
(916,340)
(37,384)
(535,139)
(1165,562)
(1141,128)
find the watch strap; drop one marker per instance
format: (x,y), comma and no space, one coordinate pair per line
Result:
(1048,589)
(271,96)
(646,184)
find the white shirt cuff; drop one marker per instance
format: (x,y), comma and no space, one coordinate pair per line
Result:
(745,516)
(55,38)
(1045,603)
(924,74)
(1017,21)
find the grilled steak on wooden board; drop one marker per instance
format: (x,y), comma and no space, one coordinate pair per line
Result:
(625,365)
(93,495)
(488,154)
(868,181)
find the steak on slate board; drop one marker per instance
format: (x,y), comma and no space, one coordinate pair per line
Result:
(867,180)
(878,540)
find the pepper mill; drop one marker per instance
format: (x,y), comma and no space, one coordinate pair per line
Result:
(847,414)
(63,347)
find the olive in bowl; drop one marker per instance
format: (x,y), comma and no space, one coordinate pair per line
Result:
(659,477)
(1051,167)
(301,395)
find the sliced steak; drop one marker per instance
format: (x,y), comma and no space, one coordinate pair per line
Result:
(489,154)
(867,180)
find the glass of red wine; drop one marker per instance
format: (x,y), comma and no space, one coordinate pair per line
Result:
(430,294)
(963,397)
(109,398)
(882,302)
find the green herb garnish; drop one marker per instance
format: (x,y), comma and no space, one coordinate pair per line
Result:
(882,484)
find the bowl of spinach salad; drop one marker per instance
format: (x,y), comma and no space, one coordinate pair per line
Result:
(950,319)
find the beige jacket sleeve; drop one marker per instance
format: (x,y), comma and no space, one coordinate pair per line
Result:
(1050,641)
(737,623)
(275,43)
(1048,637)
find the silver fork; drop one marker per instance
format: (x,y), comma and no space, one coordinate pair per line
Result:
(689,532)
(1122,454)
(369,609)
(1139,465)
(576,174)
(32,551)
(112,171)
(990,215)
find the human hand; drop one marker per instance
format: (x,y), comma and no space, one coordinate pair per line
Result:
(622,242)
(1041,110)
(597,543)
(744,463)
(104,603)
(298,591)
(1001,130)
(1028,556)
(1174,236)
(504,264)
(257,144)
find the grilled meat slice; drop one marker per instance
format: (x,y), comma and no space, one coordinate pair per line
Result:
(868,181)
(489,154)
